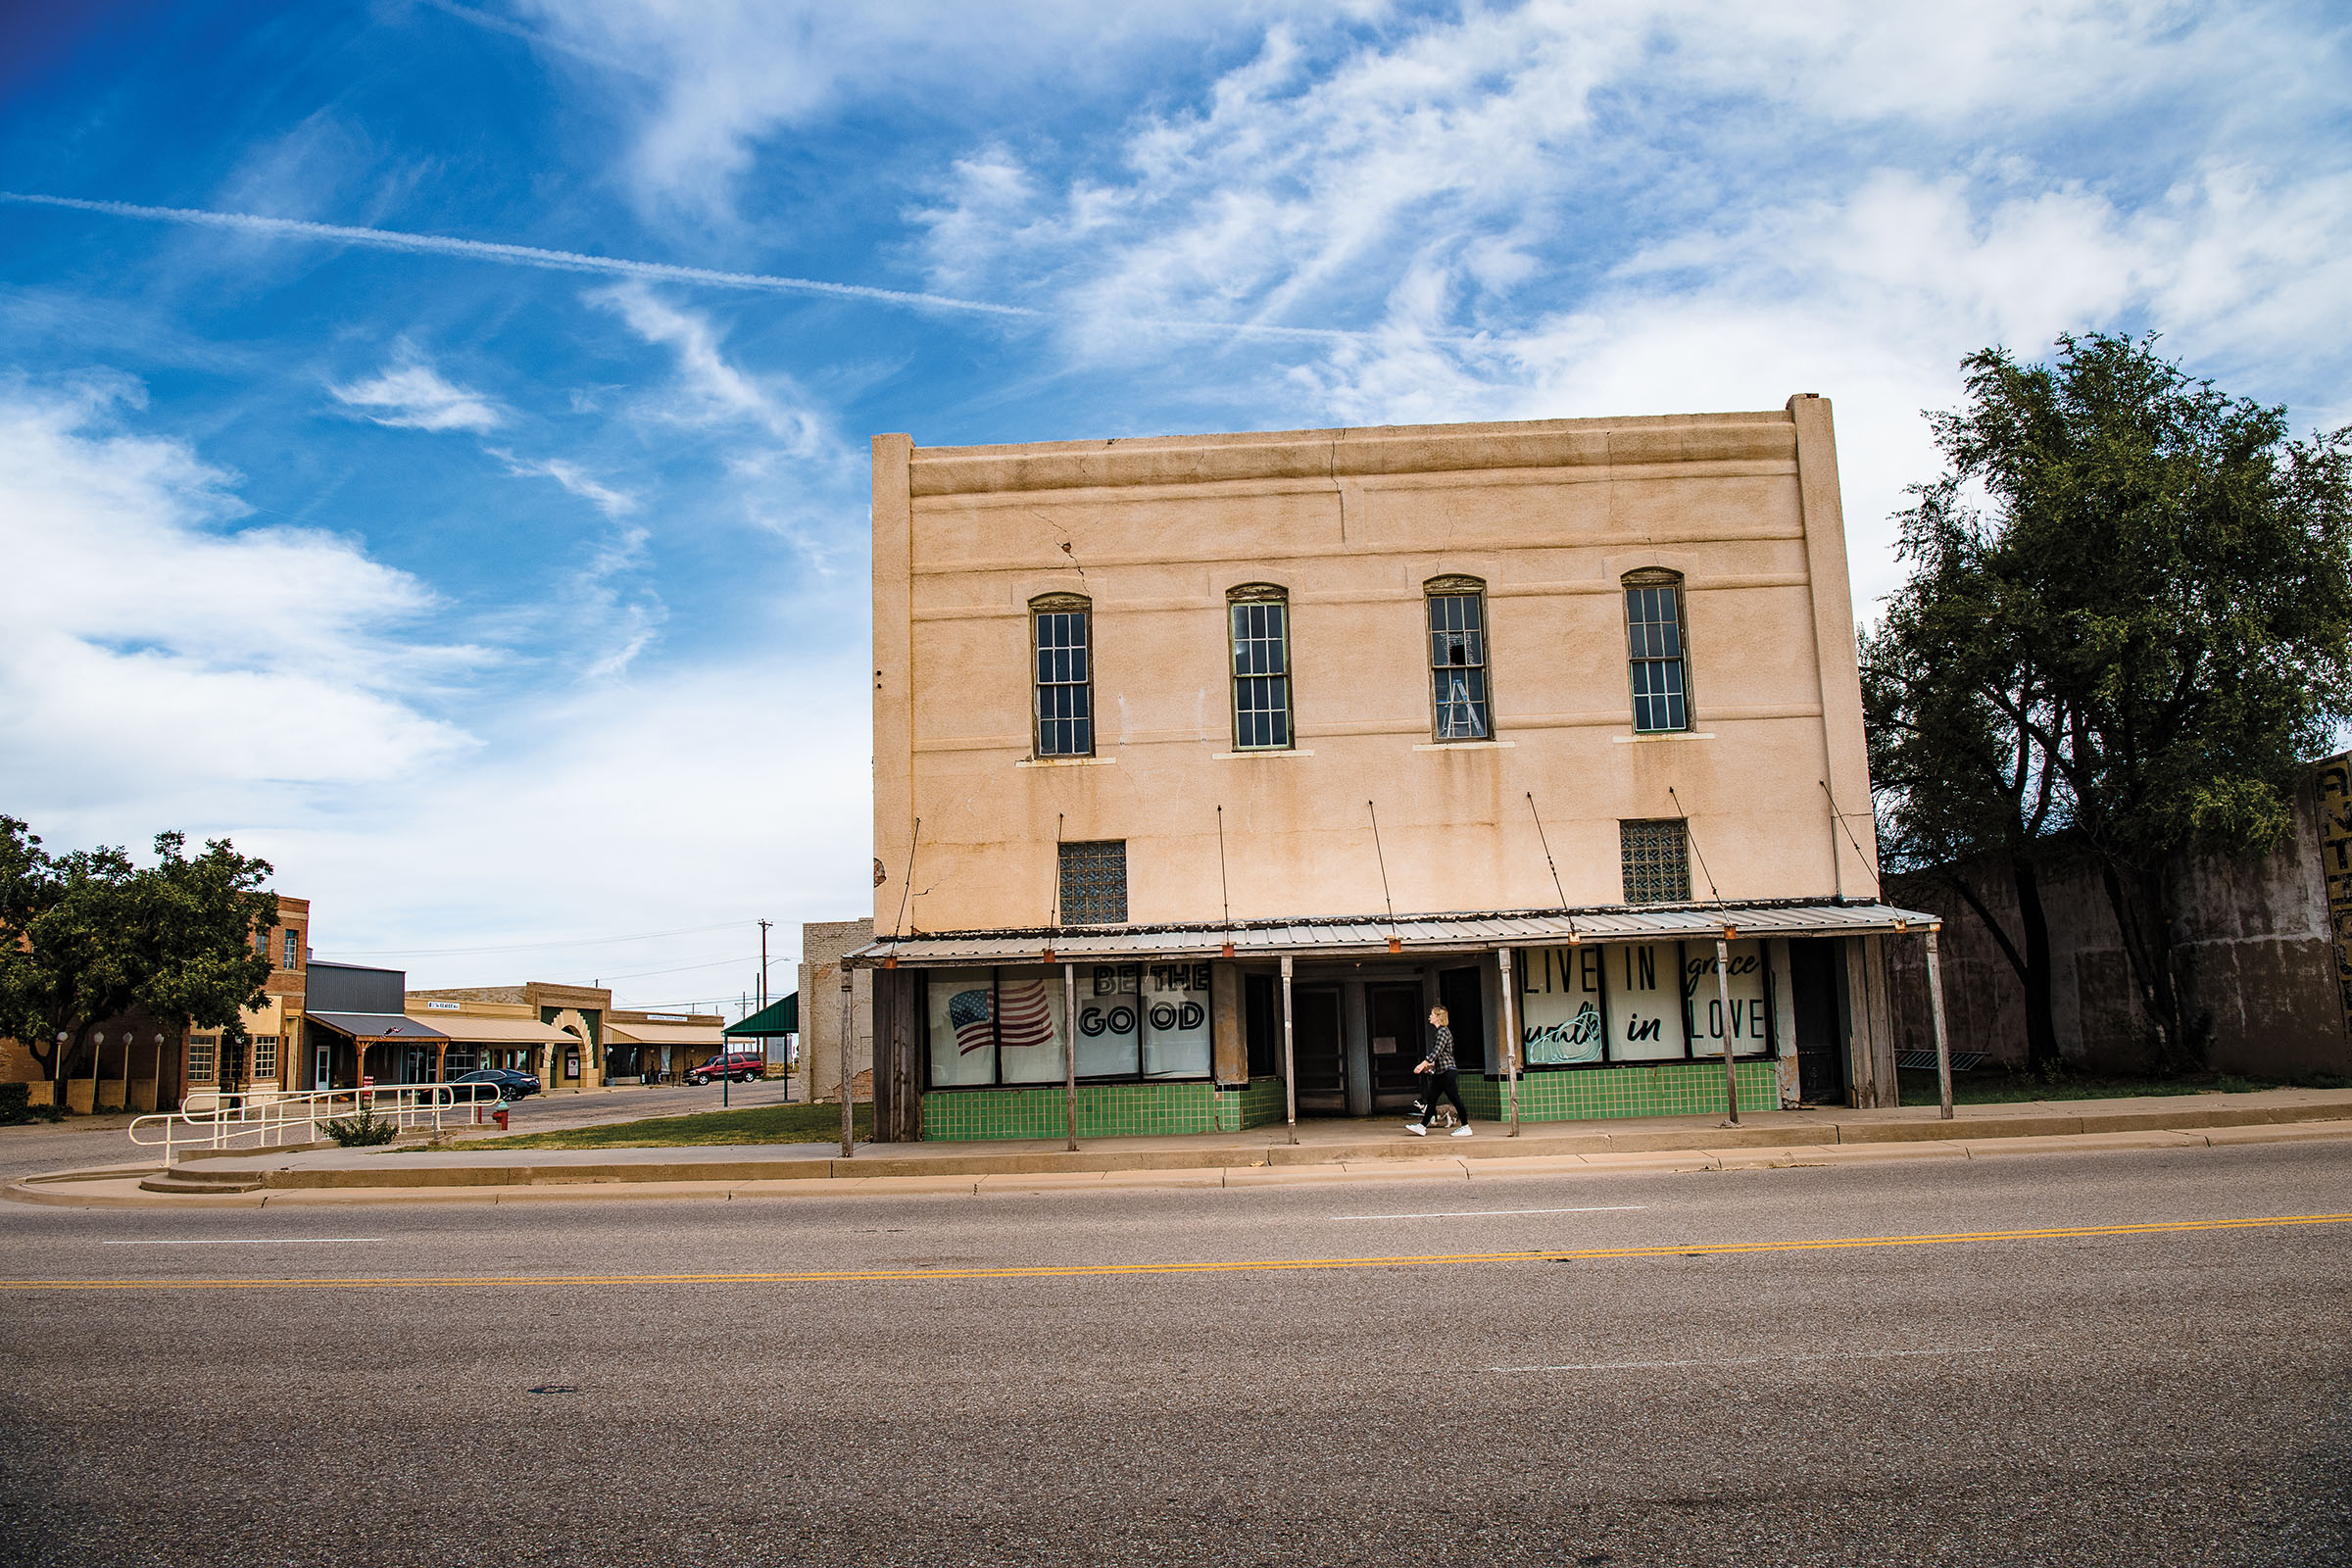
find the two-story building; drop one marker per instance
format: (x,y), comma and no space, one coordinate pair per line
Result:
(1205,765)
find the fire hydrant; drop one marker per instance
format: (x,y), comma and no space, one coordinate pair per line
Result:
(498,1114)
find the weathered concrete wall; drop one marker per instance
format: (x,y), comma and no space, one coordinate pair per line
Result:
(2258,953)
(819,1075)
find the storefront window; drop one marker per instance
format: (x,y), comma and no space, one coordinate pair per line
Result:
(1751,1035)
(1620,1003)
(1005,1025)
(1646,1008)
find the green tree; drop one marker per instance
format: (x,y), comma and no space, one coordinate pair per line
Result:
(2149,610)
(90,936)
(1957,700)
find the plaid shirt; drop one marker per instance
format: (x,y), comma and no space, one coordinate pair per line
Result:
(1441,1050)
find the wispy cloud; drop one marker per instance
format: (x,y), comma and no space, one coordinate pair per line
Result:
(413,395)
(709,389)
(607,499)
(392,239)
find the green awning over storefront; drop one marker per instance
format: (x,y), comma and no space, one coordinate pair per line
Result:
(776,1018)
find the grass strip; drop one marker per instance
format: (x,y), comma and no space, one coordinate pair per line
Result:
(1995,1086)
(762,1124)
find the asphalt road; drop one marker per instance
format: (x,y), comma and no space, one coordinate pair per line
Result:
(2168,1397)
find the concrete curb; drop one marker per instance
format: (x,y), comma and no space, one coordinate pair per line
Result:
(119,1188)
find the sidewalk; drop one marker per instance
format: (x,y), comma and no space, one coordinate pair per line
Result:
(1325,1150)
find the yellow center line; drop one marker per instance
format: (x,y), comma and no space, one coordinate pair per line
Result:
(1050,1271)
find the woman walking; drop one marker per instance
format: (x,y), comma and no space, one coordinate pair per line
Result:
(1440,1067)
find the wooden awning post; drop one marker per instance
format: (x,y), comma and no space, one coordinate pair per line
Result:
(1070,1049)
(1943,1043)
(1289,1073)
(1510,1035)
(1723,997)
(848,996)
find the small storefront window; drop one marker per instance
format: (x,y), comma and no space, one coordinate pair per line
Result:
(202,1051)
(1749,1032)
(265,1055)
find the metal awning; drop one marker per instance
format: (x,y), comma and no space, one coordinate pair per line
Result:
(664,1034)
(776,1018)
(369,1028)
(1370,935)
(471,1031)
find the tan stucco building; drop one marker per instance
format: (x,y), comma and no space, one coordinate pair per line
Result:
(570,1035)
(1215,739)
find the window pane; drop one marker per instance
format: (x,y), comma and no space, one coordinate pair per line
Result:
(1707,1019)
(1109,1020)
(1457,657)
(1093,882)
(962,1019)
(1063,707)
(1175,1014)
(1261,688)
(1029,1004)
(1559,1004)
(1656,857)
(1645,1013)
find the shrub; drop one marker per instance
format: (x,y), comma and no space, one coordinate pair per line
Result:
(362,1131)
(16,1108)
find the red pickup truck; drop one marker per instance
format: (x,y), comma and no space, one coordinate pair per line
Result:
(741,1065)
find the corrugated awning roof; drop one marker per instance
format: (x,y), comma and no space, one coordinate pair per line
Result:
(1356,936)
(664,1034)
(497,1031)
(372,1026)
(776,1018)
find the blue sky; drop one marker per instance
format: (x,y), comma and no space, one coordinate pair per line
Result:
(513,604)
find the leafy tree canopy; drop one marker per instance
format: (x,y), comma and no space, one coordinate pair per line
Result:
(89,936)
(2129,626)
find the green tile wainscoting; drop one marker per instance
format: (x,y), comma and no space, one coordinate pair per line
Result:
(1123,1110)
(1656,1088)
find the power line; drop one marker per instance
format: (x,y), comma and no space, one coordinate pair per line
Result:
(536,947)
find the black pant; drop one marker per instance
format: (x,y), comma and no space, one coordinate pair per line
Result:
(1441,1085)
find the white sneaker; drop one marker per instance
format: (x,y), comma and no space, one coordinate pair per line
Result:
(1416,1129)
(1462,1130)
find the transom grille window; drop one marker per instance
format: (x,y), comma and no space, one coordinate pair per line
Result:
(1065,676)
(1262,667)
(1657,860)
(1457,659)
(265,1055)
(1093,882)
(1655,645)
(203,1057)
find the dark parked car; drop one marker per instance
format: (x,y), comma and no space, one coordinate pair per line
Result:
(512,1085)
(739,1065)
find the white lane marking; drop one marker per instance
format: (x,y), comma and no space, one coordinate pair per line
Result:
(1754,1360)
(243,1241)
(1480,1214)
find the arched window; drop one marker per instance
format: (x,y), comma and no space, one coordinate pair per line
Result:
(1258,614)
(1457,659)
(1658,650)
(1062,639)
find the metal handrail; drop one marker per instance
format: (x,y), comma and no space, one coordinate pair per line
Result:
(269,1116)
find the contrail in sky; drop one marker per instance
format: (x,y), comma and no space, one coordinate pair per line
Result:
(393,239)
